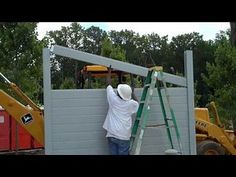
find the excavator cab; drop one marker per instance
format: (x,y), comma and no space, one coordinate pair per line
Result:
(202,113)
(97,71)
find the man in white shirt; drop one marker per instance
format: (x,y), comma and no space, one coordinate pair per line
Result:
(118,121)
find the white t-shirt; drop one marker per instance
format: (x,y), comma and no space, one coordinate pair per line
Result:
(118,120)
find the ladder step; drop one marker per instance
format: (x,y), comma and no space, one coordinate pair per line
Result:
(158,125)
(155,125)
(147,85)
(169,119)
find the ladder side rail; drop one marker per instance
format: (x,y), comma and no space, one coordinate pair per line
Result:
(161,77)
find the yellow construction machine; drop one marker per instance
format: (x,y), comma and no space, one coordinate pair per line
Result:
(96,71)
(29,116)
(212,137)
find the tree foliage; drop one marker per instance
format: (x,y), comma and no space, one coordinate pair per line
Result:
(111,51)
(221,77)
(76,37)
(21,57)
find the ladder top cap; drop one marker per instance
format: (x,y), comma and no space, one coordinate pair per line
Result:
(156,68)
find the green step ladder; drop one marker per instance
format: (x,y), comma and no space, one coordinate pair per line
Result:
(153,80)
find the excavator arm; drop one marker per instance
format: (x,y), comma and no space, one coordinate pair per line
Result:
(19,92)
(30,117)
(212,108)
(215,132)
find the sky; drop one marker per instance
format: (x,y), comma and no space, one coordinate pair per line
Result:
(207,29)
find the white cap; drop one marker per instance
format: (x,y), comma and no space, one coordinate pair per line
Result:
(124,91)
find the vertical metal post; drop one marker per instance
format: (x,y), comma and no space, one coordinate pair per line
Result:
(188,64)
(47,100)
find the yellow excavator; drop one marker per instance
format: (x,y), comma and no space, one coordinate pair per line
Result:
(212,137)
(96,71)
(28,116)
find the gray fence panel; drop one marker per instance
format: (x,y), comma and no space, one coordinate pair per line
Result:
(74,118)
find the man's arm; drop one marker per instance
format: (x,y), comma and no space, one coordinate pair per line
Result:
(108,80)
(134,97)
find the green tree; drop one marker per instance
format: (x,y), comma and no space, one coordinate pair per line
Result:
(76,37)
(21,57)
(126,40)
(203,52)
(181,43)
(221,78)
(68,83)
(92,41)
(112,51)
(157,50)
(62,67)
